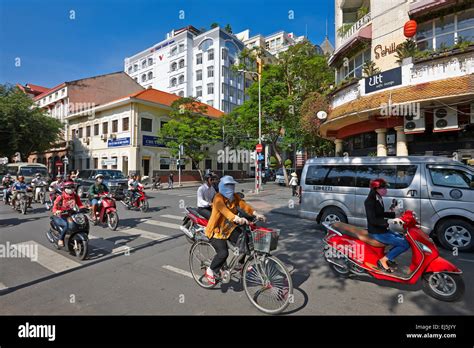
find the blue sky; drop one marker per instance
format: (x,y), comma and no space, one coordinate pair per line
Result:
(53,48)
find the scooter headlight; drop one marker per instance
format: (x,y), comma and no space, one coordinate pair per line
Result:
(424,248)
(79,219)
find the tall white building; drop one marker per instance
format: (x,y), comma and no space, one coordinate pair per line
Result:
(193,63)
(274,43)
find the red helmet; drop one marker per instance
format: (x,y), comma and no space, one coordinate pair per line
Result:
(378,183)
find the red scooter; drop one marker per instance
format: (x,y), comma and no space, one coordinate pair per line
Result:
(106,212)
(350,250)
(140,202)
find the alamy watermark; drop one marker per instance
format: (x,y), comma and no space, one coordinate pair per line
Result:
(228,155)
(407,109)
(9,250)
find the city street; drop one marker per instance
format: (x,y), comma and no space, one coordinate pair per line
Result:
(142,268)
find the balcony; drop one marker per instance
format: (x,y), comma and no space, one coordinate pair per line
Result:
(355,28)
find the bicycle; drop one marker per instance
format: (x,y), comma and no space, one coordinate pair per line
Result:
(266,280)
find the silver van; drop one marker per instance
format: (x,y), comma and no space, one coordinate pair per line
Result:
(439,190)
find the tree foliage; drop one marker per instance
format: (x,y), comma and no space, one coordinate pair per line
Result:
(24,128)
(189,127)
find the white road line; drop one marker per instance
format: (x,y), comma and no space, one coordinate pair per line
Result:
(179,271)
(466,260)
(145,234)
(3,286)
(176,217)
(161,223)
(47,258)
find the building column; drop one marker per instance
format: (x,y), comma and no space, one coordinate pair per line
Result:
(402,149)
(338,143)
(381,142)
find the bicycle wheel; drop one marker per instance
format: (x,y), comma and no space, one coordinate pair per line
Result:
(200,258)
(268,284)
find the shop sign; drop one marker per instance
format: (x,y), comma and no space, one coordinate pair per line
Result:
(386,79)
(149,140)
(380,51)
(111,162)
(118,142)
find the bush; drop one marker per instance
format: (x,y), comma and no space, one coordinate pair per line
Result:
(288,163)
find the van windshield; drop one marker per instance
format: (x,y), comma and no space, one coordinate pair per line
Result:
(111,174)
(31,171)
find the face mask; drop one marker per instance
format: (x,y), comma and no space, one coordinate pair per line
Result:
(99,181)
(227,191)
(68,191)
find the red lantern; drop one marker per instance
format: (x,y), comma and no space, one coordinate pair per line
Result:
(409,30)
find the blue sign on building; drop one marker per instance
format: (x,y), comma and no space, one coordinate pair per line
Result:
(149,140)
(386,79)
(118,142)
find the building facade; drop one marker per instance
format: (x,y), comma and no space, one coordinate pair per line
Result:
(418,102)
(274,43)
(190,63)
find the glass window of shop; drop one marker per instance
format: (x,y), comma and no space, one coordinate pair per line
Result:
(354,66)
(446,31)
(165,163)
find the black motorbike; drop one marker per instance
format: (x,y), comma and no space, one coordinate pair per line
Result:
(77,235)
(23,200)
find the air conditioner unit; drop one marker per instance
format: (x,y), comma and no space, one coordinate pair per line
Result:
(113,136)
(103,137)
(445,119)
(414,124)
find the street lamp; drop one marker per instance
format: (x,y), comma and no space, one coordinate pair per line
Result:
(258,181)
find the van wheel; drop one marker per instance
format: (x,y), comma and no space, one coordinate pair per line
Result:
(456,233)
(333,214)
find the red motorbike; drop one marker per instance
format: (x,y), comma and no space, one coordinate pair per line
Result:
(106,212)
(350,250)
(139,202)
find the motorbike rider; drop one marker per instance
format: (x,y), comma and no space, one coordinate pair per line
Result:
(58,184)
(68,200)
(205,195)
(377,224)
(7,183)
(224,223)
(95,191)
(133,185)
(37,181)
(20,184)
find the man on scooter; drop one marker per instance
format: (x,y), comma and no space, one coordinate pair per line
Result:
(133,185)
(7,183)
(95,191)
(20,185)
(66,201)
(37,181)
(377,225)
(205,195)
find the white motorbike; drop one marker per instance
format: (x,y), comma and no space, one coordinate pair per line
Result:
(39,190)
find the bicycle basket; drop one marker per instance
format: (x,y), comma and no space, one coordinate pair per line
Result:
(264,240)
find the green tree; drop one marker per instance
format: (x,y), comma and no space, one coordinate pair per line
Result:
(214,25)
(228,28)
(24,128)
(190,127)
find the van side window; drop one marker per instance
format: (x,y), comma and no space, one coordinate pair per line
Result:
(341,176)
(450,177)
(398,177)
(315,175)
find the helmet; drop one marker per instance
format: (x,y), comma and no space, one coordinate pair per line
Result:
(8,176)
(68,184)
(99,176)
(208,176)
(227,180)
(59,176)
(378,183)
(38,175)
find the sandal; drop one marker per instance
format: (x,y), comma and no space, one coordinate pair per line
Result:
(60,243)
(379,265)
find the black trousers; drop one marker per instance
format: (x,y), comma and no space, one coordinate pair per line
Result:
(222,252)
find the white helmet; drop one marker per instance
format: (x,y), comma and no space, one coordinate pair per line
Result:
(99,176)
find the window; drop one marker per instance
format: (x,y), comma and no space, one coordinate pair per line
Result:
(88,131)
(105,128)
(125,124)
(150,61)
(225,72)
(174,66)
(174,51)
(143,77)
(181,63)
(144,64)
(135,67)
(205,44)
(181,48)
(162,123)
(240,166)
(150,75)
(210,88)
(129,69)
(181,93)
(198,75)
(114,126)
(174,82)
(181,79)
(96,163)
(199,91)
(199,58)
(96,129)
(231,48)
(340,176)
(79,133)
(210,54)
(165,163)
(397,177)
(208,164)
(210,71)
(219,166)
(210,102)
(136,79)
(224,54)
(450,178)
(354,68)
(147,124)
(230,166)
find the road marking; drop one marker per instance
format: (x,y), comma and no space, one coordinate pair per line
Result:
(176,217)
(178,270)
(49,259)
(3,286)
(161,223)
(145,234)
(466,260)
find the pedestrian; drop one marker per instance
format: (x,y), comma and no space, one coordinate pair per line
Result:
(170,181)
(294,183)
(156,182)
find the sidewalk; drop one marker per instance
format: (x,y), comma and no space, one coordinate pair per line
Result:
(188,184)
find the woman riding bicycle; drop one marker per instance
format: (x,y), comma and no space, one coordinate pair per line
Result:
(224,223)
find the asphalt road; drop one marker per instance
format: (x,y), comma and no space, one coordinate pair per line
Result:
(142,268)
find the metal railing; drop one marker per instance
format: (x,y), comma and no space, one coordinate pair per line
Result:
(356,27)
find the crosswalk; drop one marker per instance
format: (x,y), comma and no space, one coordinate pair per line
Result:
(103,242)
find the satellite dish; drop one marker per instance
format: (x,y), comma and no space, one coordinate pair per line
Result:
(322,115)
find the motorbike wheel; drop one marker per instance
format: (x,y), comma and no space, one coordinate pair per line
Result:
(144,206)
(42,198)
(442,286)
(112,220)
(82,247)
(341,269)
(23,208)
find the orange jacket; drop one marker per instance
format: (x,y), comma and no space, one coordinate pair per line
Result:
(221,224)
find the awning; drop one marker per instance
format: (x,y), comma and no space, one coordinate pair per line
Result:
(364,34)
(422,6)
